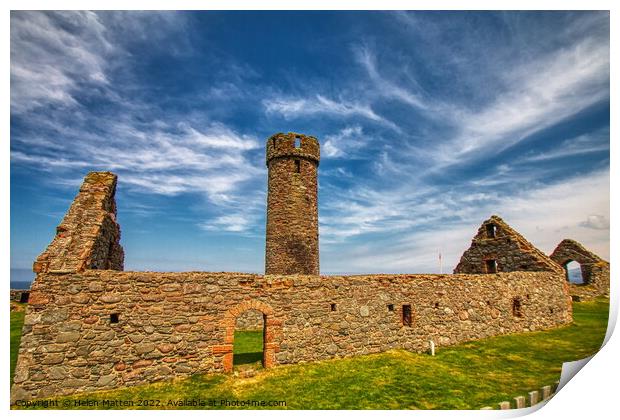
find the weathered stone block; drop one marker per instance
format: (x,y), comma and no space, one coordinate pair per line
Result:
(67,337)
(143,348)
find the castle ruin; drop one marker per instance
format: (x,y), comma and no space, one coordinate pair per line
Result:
(91,326)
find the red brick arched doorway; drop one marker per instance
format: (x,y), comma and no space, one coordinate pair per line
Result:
(271,333)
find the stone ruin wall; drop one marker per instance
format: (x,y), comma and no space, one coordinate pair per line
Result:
(88,236)
(179,324)
(594,270)
(510,250)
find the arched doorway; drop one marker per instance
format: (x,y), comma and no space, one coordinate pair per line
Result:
(271,333)
(249,339)
(574,272)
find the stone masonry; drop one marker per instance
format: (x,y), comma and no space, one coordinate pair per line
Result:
(250,320)
(292,245)
(90,326)
(594,270)
(497,247)
(178,324)
(89,236)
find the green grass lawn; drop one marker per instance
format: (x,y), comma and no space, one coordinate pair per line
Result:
(248,348)
(467,376)
(17,320)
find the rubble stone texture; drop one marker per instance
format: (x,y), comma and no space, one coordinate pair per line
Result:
(250,320)
(594,270)
(498,242)
(292,245)
(89,236)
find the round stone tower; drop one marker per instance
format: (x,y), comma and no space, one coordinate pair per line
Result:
(292,208)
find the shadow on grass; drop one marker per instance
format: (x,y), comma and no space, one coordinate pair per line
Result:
(247,358)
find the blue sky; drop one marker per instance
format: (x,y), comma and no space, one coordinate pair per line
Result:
(429,122)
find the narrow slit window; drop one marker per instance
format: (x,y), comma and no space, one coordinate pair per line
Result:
(333,307)
(407,315)
(491,266)
(297,166)
(390,307)
(491,230)
(517,309)
(297,142)
(113,318)
(436,305)
(273,143)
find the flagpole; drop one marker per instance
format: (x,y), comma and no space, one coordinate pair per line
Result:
(440,264)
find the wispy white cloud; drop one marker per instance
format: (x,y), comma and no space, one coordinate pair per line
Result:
(536,96)
(211,159)
(389,89)
(295,107)
(346,141)
(52,54)
(576,146)
(508,98)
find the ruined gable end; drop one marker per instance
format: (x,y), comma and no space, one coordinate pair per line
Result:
(497,247)
(88,236)
(594,269)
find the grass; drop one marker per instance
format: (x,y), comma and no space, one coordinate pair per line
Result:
(17,320)
(248,348)
(467,376)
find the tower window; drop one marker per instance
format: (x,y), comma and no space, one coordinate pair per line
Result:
(491,266)
(491,230)
(113,318)
(333,307)
(407,315)
(390,307)
(297,142)
(297,166)
(273,143)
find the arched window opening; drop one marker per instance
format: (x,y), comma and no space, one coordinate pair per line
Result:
(574,273)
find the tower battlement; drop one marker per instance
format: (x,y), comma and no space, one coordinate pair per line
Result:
(293,145)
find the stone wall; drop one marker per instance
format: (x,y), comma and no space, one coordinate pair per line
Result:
(250,320)
(88,236)
(103,329)
(594,270)
(498,247)
(292,237)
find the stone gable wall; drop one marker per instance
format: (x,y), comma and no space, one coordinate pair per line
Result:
(508,248)
(179,324)
(88,236)
(594,270)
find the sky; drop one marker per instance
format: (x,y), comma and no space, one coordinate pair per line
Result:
(429,123)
